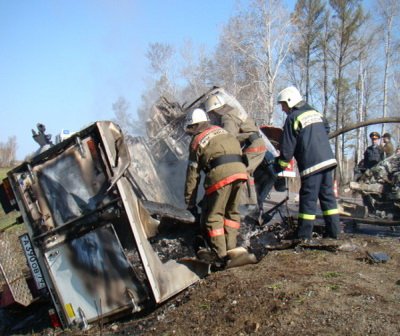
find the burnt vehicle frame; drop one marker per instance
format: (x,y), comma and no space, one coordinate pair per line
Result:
(81,202)
(94,207)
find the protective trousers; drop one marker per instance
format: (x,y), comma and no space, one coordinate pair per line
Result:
(255,154)
(220,220)
(314,187)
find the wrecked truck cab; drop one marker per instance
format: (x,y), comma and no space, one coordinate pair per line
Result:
(380,188)
(83,205)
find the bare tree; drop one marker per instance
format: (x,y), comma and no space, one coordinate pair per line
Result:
(388,11)
(196,70)
(8,152)
(260,38)
(348,18)
(161,81)
(309,20)
(124,119)
(366,81)
(326,37)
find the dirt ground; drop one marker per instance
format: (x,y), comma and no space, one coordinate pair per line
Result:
(306,291)
(289,292)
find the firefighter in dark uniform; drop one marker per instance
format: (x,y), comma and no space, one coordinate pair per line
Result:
(374,153)
(305,136)
(217,153)
(230,115)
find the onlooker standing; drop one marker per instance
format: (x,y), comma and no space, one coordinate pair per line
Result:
(374,153)
(305,136)
(387,145)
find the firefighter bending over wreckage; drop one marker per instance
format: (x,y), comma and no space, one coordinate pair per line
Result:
(218,154)
(227,112)
(305,136)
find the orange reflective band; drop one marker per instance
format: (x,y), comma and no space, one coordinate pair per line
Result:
(225,181)
(232,224)
(255,149)
(216,232)
(202,135)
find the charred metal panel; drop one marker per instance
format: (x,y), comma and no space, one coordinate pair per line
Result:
(144,173)
(81,201)
(93,276)
(381,184)
(166,279)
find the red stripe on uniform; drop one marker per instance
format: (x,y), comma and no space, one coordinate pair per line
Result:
(225,181)
(232,224)
(216,232)
(201,136)
(255,149)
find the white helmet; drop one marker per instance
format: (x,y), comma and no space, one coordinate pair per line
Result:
(290,95)
(196,116)
(213,102)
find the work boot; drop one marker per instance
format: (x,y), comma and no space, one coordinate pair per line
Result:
(207,255)
(239,256)
(220,264)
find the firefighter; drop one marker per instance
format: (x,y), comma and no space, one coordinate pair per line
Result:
(217,153)
(387,145)
(227,112)
(374,153)
(305,136)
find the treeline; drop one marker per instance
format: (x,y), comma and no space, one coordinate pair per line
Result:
(343,55)
(8,152)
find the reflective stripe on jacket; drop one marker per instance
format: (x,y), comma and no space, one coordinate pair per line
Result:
(305,136)
(207,145)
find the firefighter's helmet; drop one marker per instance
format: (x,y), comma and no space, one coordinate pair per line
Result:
(374,135)
(196,116)
(214,102)
(290,95)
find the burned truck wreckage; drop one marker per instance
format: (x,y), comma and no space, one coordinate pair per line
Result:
(380,189)
(106,227)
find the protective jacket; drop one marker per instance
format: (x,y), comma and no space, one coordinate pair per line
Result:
(242,127)
(305,136)
(372,155)
(217,153)
(388,149)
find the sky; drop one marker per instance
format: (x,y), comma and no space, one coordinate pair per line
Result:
(63,63)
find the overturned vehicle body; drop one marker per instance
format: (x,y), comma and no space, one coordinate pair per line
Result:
(106,227)
(97,245)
